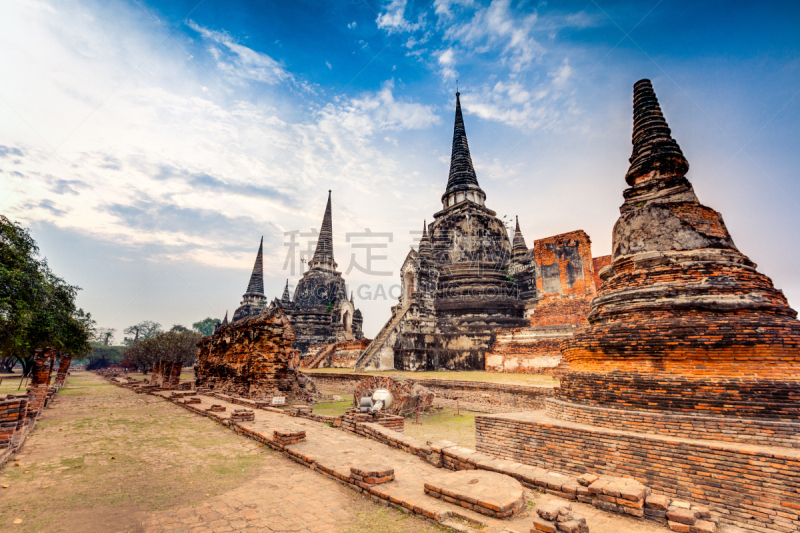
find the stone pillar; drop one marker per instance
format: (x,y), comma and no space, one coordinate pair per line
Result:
(63,369)
(40,380)
(174,378)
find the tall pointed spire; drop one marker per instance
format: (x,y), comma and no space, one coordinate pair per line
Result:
(225,320)
(519,247)
(256,285)
(425,242)
(323,255)
(351,296)
(655,152)
(286,297)
(462,172)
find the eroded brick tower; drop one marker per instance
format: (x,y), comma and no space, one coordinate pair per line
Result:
(683,320)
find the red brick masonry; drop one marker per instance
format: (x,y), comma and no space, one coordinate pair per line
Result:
(754,487)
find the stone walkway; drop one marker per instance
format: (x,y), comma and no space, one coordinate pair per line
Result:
(336,450)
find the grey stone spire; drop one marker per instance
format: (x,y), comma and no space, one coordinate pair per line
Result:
(425,242)
(256,285)
(323,255)
(286,297)
(225,320)
(519,247)
(351,296)
(655,152)
(462,173)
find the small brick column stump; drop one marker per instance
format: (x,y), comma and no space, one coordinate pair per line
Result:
(289,437)
(556,516)
(368,475)
(243,415)
(216,408)
(488,493)
(192,400)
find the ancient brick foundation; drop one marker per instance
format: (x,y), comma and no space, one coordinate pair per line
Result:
(251,358)
(752,487)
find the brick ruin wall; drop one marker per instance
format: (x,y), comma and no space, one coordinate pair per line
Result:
(753,488)
(342,354)
(566,281)
(719,428)
(473,395)
(19,412)
(252,358)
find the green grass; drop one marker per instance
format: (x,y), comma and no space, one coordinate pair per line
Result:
(333,408)
(447,425)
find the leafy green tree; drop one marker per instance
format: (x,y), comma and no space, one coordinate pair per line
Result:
(146,329)
(177,328)
(206,326)
(172,346)
(37,308)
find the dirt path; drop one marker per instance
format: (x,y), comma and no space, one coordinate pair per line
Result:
(104,459)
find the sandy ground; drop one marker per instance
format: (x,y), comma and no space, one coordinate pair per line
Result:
(105,459)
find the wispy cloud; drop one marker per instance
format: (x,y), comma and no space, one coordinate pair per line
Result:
(240,63)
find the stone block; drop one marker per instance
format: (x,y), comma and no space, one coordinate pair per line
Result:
(681,516)
(703,526)
(573,526)
(657,501)
(551,509)
(680,528)
(540,524)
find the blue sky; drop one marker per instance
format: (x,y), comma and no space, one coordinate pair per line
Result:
(150,145)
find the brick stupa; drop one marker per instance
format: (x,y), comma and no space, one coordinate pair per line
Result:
(686,377)
(683,320)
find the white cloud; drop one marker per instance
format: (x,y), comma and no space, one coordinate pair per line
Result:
(327,64)
(393,20)
(497,26)
(352,25)
(364,115)
(240,63)
(164,162)
(447,61)
(442,7)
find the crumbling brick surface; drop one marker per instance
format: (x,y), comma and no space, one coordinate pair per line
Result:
(251,358)
(731,480)
(563,277)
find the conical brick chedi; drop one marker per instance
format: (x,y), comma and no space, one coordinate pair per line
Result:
(462,175)
(655,152)
(683,320)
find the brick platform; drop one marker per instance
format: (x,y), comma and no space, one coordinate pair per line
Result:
(724,429)
(755,487)
(487,493)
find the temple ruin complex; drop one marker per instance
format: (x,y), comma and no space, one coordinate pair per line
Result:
(320,311)
(469,290)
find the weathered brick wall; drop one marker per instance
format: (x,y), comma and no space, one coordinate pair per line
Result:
(566,281)
(735,397)
(250,357)
(599,263)
(749,487)
(720,428)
